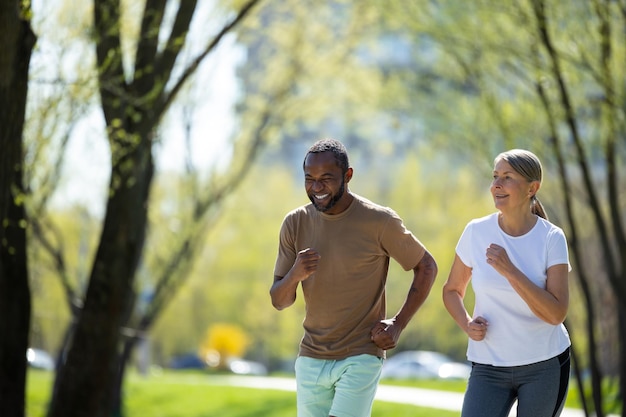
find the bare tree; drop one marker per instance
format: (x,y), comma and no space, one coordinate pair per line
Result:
(606,208)
(547,76)
(18,41)
(85,384)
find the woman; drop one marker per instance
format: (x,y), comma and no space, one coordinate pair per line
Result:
(518,263)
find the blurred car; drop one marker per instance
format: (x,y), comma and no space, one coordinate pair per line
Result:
(234,365)
(245,367)
(39,359)
(187,361)
(423,364)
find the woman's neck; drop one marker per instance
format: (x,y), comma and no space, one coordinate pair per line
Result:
(516,225)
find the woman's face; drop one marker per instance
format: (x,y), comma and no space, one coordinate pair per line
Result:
(510,189)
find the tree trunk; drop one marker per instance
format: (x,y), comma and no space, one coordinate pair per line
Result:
(18,41)
(621,311)
(117,407)
(85,382)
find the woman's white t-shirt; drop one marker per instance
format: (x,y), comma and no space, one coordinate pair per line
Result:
(515,336)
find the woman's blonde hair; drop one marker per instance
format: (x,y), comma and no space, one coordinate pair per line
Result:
(527,165)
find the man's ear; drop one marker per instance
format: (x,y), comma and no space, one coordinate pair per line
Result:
(348,175)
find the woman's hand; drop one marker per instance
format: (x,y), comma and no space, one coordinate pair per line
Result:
(477,328)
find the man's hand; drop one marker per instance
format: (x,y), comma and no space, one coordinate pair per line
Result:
(385,334)
(306,264)
(283,291)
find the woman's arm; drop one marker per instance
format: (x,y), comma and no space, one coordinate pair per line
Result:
(550,304)
(453,295)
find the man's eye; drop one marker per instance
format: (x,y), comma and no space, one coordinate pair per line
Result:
(323,181)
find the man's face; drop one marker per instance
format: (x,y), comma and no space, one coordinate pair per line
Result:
(325,183)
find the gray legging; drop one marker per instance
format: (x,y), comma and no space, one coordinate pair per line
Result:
(540,389)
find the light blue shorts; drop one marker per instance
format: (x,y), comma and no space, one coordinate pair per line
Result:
(340,388)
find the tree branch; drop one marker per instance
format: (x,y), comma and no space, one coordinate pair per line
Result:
(165,62)
(148,43)
(165,100)
(570,119)
(109,57)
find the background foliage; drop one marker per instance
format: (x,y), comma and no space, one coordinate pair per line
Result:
(424,94)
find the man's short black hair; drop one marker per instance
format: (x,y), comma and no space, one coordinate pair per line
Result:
(331,145)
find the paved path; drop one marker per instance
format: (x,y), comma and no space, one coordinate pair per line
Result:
(405,395)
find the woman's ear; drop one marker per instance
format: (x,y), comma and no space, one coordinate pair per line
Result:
(534,188)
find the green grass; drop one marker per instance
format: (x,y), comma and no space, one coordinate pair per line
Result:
(184,394)
(192,394)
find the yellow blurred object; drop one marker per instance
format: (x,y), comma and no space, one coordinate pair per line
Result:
(222,342)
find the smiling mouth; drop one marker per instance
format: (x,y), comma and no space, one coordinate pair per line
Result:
(321,197)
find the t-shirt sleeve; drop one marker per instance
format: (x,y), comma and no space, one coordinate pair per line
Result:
(464,246)
(400,244)
(286,249)
(557,249)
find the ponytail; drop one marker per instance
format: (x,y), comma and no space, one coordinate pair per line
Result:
(537,208)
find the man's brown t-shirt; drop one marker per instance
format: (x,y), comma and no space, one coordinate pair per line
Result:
(345,297)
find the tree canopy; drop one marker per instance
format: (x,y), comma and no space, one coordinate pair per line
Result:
(424,94)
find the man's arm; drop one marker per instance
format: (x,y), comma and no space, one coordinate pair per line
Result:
(386,333)
(283,290)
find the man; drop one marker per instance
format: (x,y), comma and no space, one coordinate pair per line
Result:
(338,247)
